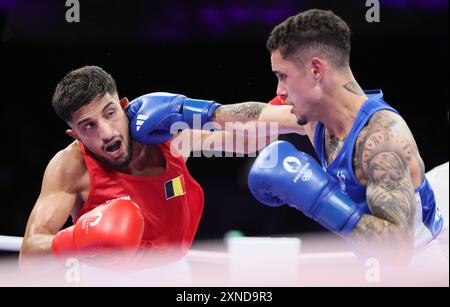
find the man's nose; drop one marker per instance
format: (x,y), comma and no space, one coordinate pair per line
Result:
(281,91)
(105,131)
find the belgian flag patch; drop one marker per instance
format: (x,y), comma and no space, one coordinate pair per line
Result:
(175,187)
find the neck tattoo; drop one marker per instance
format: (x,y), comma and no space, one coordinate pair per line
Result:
(354,87)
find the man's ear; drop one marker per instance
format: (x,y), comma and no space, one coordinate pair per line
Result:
(317,68)
(124,103)
(72,134)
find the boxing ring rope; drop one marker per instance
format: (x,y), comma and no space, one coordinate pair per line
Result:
(13,244)
(10,243)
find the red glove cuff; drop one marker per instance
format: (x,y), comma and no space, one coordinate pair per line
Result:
(62,243)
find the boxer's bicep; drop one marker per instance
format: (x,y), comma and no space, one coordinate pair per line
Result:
(51,212)
(49,215)
(58,196)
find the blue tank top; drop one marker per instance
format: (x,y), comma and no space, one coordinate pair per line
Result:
(428,220)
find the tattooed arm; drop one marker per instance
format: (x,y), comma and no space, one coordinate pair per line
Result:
(249,114)
(384,154)
(246,128)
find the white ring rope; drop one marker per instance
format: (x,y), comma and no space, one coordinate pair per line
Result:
(11,244)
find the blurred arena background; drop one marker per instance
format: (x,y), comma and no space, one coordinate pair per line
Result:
(211,50)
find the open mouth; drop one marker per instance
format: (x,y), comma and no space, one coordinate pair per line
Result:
(114,146)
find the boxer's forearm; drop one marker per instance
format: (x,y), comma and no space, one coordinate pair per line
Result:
(239,112)
(35,245)
(35,249)
(389,230)
(254,113)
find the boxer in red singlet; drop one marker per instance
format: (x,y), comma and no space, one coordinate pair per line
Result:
(122,195)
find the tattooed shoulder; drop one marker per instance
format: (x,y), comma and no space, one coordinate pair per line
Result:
(387,132)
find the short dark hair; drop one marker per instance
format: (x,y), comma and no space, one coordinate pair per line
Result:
(320,30)
(79,87)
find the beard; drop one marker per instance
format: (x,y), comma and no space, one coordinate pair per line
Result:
(302,120)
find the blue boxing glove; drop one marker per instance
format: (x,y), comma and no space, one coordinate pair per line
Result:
(152,115)
(283,175)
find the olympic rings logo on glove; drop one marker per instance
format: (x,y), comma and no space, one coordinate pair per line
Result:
(307,175)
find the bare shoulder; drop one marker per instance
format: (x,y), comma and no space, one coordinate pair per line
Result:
(66,168)
(387,119)
(387,132)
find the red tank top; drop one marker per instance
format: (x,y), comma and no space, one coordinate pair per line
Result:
(171,203)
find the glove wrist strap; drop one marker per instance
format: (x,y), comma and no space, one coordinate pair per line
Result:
(198,112)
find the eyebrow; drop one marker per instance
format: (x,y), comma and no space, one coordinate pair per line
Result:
(88,118)
(276,72)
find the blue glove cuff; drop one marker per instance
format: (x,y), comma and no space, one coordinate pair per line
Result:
(337,212)
(201,108)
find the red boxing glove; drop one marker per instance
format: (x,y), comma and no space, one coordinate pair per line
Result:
(277,101)
(111,227)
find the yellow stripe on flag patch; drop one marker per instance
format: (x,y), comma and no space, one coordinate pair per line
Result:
(177,187)
(174,187)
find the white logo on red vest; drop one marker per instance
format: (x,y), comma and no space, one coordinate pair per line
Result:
(119,198)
